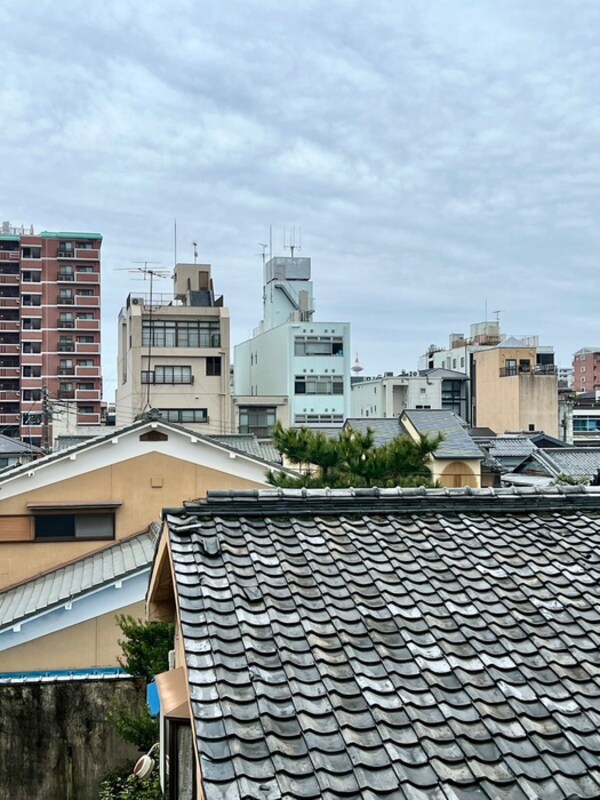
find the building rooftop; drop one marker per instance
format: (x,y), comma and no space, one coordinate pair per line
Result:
(68,235)
(430,645)
(457,442)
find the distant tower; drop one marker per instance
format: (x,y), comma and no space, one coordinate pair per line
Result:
(357,366)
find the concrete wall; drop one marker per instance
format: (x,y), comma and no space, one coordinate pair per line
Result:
(55,740)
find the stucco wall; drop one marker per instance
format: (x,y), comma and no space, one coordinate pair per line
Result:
(90,644)
(145,485)
(55,740)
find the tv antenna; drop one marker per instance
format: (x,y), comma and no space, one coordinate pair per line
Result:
(149,273)
(497,313)
(292,240)
(263,255)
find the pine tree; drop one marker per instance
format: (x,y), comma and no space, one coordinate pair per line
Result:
(352,459)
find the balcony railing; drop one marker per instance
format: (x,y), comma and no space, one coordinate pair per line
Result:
(65,301)
(66,347)
(536,369)
(66,370)
(66,276)
(66,254)
(66,323)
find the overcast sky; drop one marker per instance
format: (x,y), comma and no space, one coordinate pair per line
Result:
(436,154)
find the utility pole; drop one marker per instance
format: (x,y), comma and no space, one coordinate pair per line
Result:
(46,417)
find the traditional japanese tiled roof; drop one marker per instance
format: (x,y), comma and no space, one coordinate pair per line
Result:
(403,643)
(456,444)
(385,430)
(249,444)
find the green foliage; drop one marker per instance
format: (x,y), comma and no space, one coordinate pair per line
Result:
(570,480)
(122,785)
(145,647)
(352,459)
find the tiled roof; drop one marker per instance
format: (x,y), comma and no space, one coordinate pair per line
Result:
(580,462)
(248,443)
(384,430)
(457,442)
(11,446)
(517,446)
(431,645)
(77,577)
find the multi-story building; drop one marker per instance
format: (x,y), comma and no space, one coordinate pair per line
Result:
(512,391)
(49,330)
(586,369)
(174,354)
(293,369)
(388,395)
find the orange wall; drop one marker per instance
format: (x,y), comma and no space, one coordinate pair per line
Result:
(89,644)
(145,485)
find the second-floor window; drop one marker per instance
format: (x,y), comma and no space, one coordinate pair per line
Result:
(168,375)
(319,384)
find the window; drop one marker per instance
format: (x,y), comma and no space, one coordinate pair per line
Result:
(65,296)
(65,366)
(167,333)
(85,339)
(86,410)
(65,320)
(32,395)
(32,419)
(65,272)
(65,249)
(66,391)
(85,315)
(75,526)
(85,362)
(32,299)
(32,347)
(213,365)
(85,292)
(168,375)
(318,346)
(85,268)
(510,366)
(32,324)
(31,252)
(32,372)
(318,419)
(319,384)
(183,415)
(258,420)
(86,387)
(66,344)
(31,276)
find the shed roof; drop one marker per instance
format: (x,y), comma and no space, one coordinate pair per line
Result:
(397,643)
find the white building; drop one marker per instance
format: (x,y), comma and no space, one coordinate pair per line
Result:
(174,354)
(293,369)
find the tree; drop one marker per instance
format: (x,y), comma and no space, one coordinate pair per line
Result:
(352,459)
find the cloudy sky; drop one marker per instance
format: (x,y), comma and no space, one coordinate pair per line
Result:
(438,155)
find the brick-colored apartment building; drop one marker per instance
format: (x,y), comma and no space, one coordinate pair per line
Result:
(49,330)
(586,369)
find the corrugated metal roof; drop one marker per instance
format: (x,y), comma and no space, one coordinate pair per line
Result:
(402,644)
(457,442)
(76,578)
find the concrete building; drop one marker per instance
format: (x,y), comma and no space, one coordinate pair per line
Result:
(174,354)
(388,395)
(586,369)
(512,391)
(49,329)
(293,369)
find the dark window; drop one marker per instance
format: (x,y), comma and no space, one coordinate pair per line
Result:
(32,394)
(32,324)
(85,292)
(319,384)
(258,420)
(32,299)
(32,419)
(166,333)
(86,339)
(31,276)
(85,362)
(86,387)
(86,410)
(183,415)
(75,526)
(318,346)
(85,268)
(32,372)
(85,315)
(213,365)
(32,347)
(31,252)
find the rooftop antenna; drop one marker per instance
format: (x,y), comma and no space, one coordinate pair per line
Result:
(292,245)
(497,313)
(195,252)
(264,251)
(151,273)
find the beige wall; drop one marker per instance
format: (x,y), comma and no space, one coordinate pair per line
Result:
(145,485)
(513,403)
(87,645)
(453,473)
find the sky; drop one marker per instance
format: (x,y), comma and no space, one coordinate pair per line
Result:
(440,157)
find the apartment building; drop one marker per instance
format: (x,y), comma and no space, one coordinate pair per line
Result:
(293,369)
(174,354)
(49,330)
(586,369)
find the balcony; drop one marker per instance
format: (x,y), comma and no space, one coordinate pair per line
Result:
(65,276)
(536,369)
(10,279)
(9,395)
(10,419)
(66,370)
(65,301)
(9,349)
(87,254)
(65,323)
(65,254)
(9,255)
(66,347)
(10,302)
(66,394)
(83,300)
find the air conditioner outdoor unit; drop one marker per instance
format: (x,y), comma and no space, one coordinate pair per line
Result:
(135,301)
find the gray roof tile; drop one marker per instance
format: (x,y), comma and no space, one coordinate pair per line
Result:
(393,644)
(457,442)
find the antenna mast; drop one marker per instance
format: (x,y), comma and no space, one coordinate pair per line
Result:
(292,245)
(152,273)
